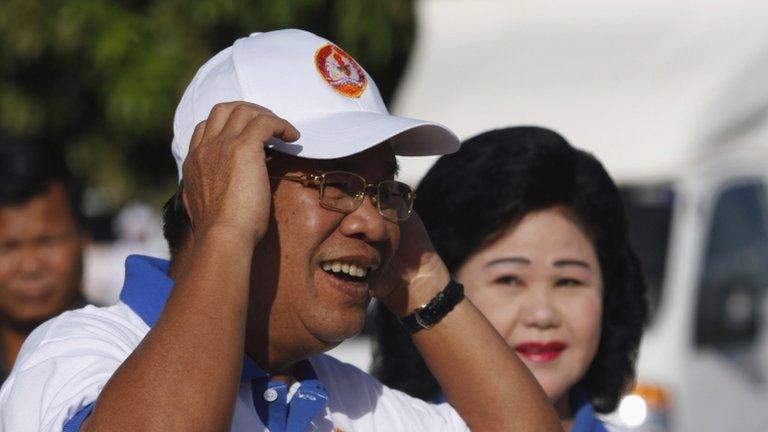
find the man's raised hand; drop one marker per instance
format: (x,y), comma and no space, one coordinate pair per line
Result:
(226,183)
(415,274)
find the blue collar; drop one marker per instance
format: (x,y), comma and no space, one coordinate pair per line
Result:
(584,419)
(147,288)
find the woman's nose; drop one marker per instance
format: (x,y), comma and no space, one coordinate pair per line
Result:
(539,309)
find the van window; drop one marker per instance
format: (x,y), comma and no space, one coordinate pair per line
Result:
(734,272)
(737,244)
(649,214)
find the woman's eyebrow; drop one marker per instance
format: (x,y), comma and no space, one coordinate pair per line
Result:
(512,259)
(572,262)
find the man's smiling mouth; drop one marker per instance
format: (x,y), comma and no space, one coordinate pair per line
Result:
(347,271)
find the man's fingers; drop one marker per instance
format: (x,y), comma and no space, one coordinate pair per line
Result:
(194,143)
(240,114)
(290,133)
(242,119)
(263,127)
(217,119)
(221,115)
(197,136)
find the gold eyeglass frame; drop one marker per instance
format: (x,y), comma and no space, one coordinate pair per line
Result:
(317,178)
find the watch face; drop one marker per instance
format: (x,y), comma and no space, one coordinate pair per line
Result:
(428,316)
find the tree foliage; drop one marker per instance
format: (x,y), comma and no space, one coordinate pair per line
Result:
(102,77)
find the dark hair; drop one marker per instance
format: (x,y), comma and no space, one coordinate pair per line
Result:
(175,222)
(469,198)
(28,169)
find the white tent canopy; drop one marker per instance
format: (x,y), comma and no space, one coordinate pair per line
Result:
(646,86)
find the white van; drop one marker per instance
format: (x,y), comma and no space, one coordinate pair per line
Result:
(672,96)
(703,241)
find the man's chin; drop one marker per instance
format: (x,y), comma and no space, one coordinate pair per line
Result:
(27,323)
(330,323)
(331,338)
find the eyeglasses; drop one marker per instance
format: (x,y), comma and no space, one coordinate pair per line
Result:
(345,191)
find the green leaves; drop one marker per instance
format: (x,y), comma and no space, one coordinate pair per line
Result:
(102,77)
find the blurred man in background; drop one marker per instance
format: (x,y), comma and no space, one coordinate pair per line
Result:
(41,243)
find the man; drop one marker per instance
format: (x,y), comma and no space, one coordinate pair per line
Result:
(288,220)
(41,243)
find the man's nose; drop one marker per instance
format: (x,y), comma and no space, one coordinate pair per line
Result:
(30,260)
(366,222)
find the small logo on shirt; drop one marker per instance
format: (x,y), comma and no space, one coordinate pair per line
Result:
(340,71)
(307,396)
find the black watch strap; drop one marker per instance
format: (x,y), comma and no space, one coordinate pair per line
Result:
(431,313)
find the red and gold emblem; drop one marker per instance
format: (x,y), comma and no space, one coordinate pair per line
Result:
(340,71)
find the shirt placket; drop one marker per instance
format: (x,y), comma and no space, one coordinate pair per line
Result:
(270,398)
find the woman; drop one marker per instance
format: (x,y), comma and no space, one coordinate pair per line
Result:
(536,232)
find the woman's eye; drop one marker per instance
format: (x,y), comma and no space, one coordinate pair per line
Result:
(508,280)
(567,282)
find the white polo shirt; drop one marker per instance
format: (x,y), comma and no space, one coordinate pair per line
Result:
(65,363)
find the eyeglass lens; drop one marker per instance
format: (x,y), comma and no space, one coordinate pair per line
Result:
(345,191)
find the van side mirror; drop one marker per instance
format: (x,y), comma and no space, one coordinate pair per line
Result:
(729,314)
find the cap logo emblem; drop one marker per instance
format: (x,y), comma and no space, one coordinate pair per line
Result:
(340,71)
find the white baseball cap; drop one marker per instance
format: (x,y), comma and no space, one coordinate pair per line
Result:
(313,84)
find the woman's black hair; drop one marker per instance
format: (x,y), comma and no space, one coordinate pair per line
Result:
(470,198)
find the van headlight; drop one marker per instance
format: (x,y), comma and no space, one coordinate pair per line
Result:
(645,409)
(633,411)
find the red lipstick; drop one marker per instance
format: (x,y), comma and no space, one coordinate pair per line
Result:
(540,351)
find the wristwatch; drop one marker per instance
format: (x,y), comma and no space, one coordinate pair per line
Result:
(429,314)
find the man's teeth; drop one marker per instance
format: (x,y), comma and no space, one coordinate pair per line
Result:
(346,268)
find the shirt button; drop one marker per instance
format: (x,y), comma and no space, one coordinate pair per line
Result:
(270,395)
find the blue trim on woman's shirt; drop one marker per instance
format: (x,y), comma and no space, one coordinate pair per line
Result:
(584,419)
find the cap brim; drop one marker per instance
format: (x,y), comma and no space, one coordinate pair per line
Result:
(347,133)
